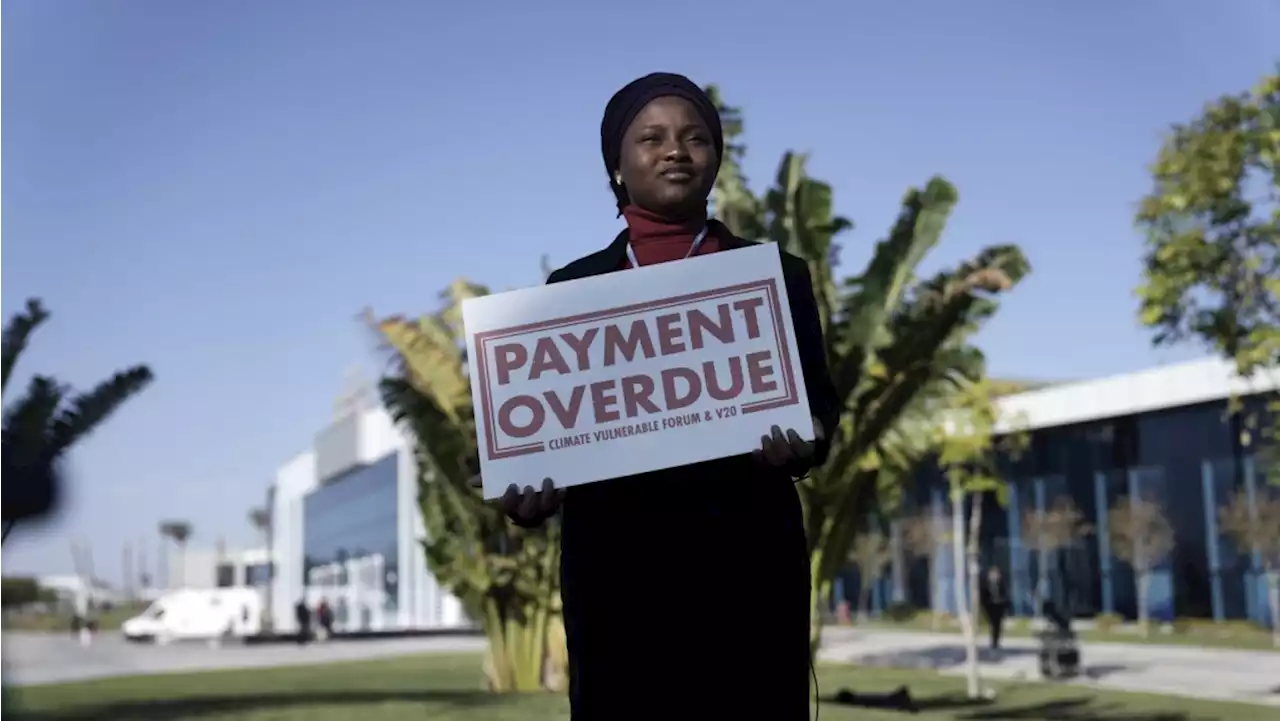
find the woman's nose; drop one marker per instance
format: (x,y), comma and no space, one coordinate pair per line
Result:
(677,151)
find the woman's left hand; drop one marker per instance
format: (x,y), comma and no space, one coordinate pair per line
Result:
(781,449)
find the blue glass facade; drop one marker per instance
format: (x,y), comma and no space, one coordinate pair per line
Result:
(1188,459)
(350,544)
(257,574)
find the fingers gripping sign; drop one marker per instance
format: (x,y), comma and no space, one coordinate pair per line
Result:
(778,448)
(527,506)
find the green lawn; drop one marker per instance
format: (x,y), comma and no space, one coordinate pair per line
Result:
(61,622)
(448,688)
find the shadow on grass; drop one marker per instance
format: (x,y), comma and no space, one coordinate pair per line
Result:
(194,706)
(1083,708)
(1102,670)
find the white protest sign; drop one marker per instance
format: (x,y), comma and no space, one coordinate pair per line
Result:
(634,371)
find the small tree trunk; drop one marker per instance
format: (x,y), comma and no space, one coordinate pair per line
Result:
(1144,577)
(1038,590)
(555,672)
(1273,595)
(819,591)
(525,653)
(517,648)
(864,603)
(933,595)
(975,573)
(534,652)
(964,609)
(497,666)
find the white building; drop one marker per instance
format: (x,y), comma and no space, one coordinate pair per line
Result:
(250,567)
(205,568)
(346,529)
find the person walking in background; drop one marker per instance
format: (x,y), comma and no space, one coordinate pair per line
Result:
(82,623)
(324,617)
(80,627)
(662,140)
(995,604)
(302,615)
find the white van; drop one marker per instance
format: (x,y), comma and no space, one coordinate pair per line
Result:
(197,614)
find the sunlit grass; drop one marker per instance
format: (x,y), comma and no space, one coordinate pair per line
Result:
(450,687)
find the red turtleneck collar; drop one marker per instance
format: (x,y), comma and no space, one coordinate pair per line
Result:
(656,239)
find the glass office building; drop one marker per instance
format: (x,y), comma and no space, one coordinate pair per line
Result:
(350,550)
(1164,435)
(346,531)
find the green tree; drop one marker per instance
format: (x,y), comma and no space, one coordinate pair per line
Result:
(871,554)
(922,534)
(897,344)
(1212,225)
(731,199)
(179,532)
(508,578)
(1142,537)
(970,440)
(48,418)
(1255,527)
(1050,531)
(260,519)
(18,591)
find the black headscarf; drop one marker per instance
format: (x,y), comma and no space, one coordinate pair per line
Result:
(631,99)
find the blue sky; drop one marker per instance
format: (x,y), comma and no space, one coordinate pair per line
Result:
(218,189)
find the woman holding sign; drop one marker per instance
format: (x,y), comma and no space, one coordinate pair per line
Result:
(686,591)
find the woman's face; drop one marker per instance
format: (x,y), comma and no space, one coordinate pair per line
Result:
(669,159)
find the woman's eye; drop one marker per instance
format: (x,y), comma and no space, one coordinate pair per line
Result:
(651,138)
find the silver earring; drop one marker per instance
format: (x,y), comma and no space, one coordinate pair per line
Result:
(617,178)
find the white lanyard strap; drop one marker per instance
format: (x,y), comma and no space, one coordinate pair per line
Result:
(693,249)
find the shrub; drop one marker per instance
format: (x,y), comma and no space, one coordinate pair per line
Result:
(900,612)
(16,592)
(1239,626)
(1234,627)
(1108,621)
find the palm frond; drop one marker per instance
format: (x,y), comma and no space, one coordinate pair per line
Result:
(17,332)
(38,428)
(27,420)
(88,410)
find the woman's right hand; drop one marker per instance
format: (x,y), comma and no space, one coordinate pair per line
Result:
(528,506)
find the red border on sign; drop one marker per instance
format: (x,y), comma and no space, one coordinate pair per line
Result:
(482,341)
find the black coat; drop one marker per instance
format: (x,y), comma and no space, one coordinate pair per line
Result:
(994,596)
(686,590)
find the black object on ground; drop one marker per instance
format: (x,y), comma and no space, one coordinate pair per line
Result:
(898,700)
(1059,646)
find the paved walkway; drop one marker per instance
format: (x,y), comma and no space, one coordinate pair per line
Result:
(40,658)
(1250,676)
